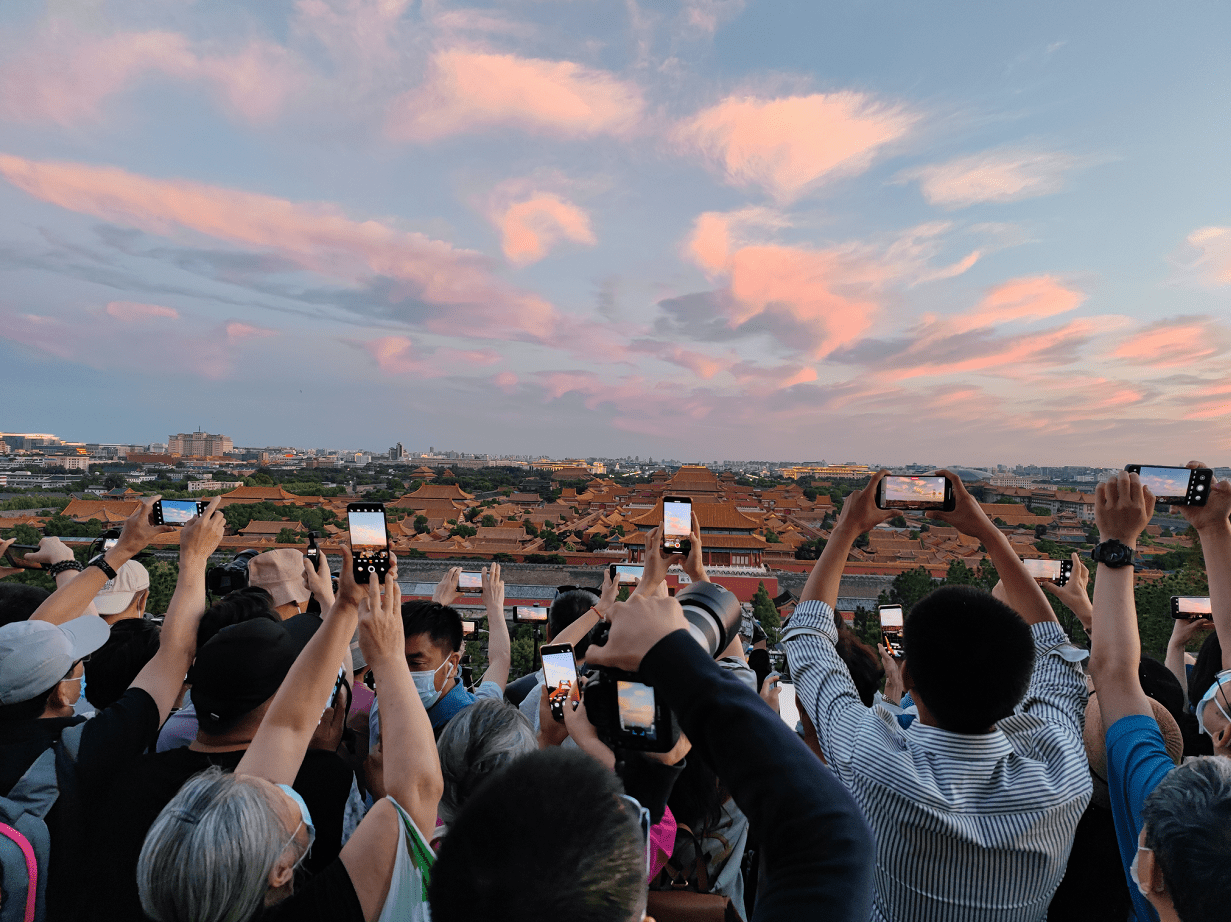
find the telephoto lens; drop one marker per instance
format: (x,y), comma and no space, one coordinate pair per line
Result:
(713,615)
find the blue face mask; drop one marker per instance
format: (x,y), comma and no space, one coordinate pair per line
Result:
(305,819)
(1216,695)
(425,684)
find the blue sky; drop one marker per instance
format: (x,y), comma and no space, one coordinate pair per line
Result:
(954,232)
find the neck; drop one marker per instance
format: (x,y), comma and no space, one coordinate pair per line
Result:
(223,742)
(125,615)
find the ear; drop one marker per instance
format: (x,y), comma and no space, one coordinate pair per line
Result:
(1150,873)
(282,873)
(142,598)
(59,697)
(908,681)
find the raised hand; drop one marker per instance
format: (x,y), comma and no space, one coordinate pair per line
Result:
(1123,507)
(859,513)
(1073,593)
(1217,508)
(967,516)
(446,590)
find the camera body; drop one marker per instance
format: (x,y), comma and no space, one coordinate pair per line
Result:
(230,576)
(624,707)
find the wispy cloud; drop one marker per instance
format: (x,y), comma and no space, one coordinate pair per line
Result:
(1175,342)
(533,227)
(1210,257)
(1003,175)
(131,312)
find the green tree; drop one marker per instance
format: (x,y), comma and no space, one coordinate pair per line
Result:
(1153,600)
(463,531)
(66,528)
(771,538)
(908,588)
(163,576)
(551,541)
(867,626)
(898,521)
(523,651)
(531,530)
(24,534)
(764,610)
(259,479)
(289,536)
(421,524)
(488,521)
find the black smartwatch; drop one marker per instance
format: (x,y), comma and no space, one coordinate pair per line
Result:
(102,564)
(1112,553)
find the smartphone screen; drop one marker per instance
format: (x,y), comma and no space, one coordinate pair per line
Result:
(628,573)
(1191,607)
(559,667)
(178,511)
(1176,485)
(367,531)
(636,709)
(891,617)
(1043,569)
(677,521)
(912,492)
(530,613)
(467,628)
(467,580)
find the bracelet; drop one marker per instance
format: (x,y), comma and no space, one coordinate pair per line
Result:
(59,567)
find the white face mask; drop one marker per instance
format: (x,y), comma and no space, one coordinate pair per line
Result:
(425,683)
(1132,871)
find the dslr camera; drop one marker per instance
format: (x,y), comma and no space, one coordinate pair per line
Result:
(230,576)
(623,706)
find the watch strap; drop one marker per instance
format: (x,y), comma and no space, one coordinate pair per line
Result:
(102,564)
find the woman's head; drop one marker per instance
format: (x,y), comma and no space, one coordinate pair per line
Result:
(223,847)
(480,739)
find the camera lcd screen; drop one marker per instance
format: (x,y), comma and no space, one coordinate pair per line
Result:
(627,573)
(916,492)
(109,543)
(1166,482)
(468,580)
(891,618)
(178,511)
(559,670)
(467,628)
(529,613)
(367,532)
(1043,569)
(1190,605)
(636,706)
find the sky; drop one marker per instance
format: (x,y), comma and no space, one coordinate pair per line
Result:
(703,229)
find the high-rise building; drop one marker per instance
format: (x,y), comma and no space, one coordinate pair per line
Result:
(199,444)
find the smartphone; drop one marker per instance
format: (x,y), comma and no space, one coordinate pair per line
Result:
(900,492)
(1058,571)
(313,553)
(1190,608)
(178,511)
(467,628)
(636,707)
(560,675)
(16,556)
(892,621)
(369,540)
(628,573)
(530,614)
(337,687)
(1176,486)
(677,524)
(468,581)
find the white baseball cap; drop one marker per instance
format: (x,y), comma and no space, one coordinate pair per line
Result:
(35,655)
(117,594)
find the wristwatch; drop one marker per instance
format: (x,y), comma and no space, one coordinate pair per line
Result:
(102,564)
(1112,553)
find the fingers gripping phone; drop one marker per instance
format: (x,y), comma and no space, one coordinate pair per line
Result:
(1175,486)
(677,525)
(1191,608)
(178,511)
(1056,571)
(899,492)
(369,540)
(560,675)
(892,621)
(16,557)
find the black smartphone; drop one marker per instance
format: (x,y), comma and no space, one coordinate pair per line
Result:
(677,525)
(369,540)
(16,556)
(1190,608)
(178,511)
(469,582)
(627,573)
(1057,571)
(530,614)
(908,492)
(337,687)
(892,621)
(1175,486)
(559,674)
(313,553)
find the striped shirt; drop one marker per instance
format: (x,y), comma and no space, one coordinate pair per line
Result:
(968,827)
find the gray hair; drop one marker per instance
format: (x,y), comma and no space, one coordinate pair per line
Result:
(478,740)
(1188,826)
(208,856)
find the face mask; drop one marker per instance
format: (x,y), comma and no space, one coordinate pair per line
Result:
(425,684)
(1213,694)
(305,819)
(1132,871)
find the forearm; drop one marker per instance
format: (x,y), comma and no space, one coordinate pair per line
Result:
(499,648)
(411,768)
(826,575)
(1023,593)
(67,576)
(1216,546)
(1115,654)
(575,632)
(72,598)
(1175,661)
(163,676)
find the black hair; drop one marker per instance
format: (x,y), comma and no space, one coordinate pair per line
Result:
(113,666)
(545,837)
(441,623)
(970,657)
(862,662)
(18,601)
(567,607)
(236,607)
(1188,826)
(1208,665)
(31,708)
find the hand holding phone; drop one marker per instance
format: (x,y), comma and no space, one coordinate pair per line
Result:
(560,676)
(1175,486)
(677,525)
(892,623)
(313,553)
(910,492)
(1191,608)
(1044,570)
(369,540)
(178,512)
(469,582)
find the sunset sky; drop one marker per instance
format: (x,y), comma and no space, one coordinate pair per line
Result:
(705,229)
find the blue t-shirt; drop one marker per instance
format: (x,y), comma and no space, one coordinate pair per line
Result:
(1137,761)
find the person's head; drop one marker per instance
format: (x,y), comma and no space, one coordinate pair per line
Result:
(237,673)
(480,740)
(862,663)
(280,573)
(18,601)
(433,635)
(1185,845)
(236,607)
(125,596)
(1208,665)
(968,658)
(1213,712)
(40,665)
(113,666)
(566,608)
(546,837)
(225,846)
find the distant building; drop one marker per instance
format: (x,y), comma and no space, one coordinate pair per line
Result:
(68,462)
(829,472)
(1011,480)
(199,444)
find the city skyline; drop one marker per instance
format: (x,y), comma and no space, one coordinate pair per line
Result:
(688,229)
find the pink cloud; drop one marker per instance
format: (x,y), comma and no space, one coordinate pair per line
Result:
(939,353)
(786,145)
(395,355)
(700,364)
(993,176)
(315,236)
(1212,249)
(238,331)
(1178,341)
(468,91)
(778,377)
(506,381)
(530,229)
(1032,298)
(131,312)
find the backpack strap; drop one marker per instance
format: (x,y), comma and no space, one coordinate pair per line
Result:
(35,793)
(31,868)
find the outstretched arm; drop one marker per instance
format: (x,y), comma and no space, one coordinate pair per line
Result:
(1214,529)
(499,644)
(859,515)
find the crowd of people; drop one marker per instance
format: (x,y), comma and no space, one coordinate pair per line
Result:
(307,748)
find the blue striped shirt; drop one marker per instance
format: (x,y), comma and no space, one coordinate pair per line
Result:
(968,827)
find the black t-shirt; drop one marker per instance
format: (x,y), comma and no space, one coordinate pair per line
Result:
(110,742)
(328,897)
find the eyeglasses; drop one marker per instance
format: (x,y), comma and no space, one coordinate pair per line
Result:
(1212,696)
